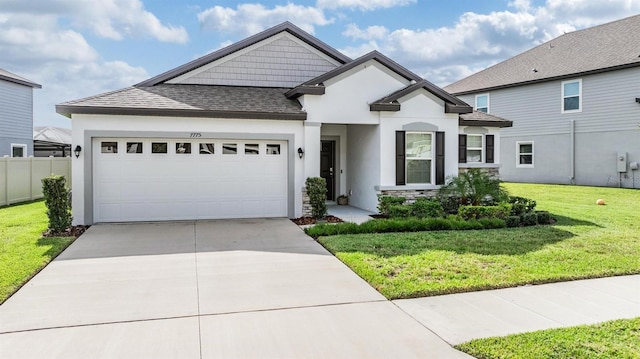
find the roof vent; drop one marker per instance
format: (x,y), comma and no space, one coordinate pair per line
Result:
(638,99)
(534,69)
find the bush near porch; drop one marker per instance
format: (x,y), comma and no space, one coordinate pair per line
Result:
(587,241)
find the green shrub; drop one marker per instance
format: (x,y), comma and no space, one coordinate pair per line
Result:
(543,217)
(385,203)
(450,204)
(529,219)
(317,192)
(56,198)
(521,205)
(404,225)
(473,187)
(512,221)
(427,207)
(500,211)
(492,223)
(399,211)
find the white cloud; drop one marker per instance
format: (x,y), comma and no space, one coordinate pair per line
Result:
(247,19)
(112,19)
(48,48)
(364,5)
(370,33)
(476,41)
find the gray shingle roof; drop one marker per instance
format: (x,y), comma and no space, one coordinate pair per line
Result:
(11,77)
(601,48)
(190,100)
(478,118)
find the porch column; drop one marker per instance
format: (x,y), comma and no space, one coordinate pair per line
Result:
(311,149)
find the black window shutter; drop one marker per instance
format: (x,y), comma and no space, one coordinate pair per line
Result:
(489,147)
(462,148)
(400,157)
(439,157)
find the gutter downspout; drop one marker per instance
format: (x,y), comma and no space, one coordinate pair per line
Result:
(573,152)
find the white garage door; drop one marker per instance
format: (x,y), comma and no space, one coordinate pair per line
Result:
(164,179)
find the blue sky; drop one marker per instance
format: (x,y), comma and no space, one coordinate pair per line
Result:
(79,48)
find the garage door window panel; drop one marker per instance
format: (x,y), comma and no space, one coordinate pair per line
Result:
(109,147)
(134,147)
(251,149)
(159,147)
(229,148)
(207,148)
(273,149)
(183,148)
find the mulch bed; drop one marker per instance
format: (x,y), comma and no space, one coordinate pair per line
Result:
(73,231)
(301,221)
(379,216)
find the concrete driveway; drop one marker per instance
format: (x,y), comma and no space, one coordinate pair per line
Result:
(212,289)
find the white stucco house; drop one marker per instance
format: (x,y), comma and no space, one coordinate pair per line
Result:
(235,134)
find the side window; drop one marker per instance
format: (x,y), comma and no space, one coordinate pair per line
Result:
(525,154)
(482,103)
(571,96)
(18,150)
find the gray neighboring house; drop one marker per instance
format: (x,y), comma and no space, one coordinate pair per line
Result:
(16,115)
(575,106)
(51,141)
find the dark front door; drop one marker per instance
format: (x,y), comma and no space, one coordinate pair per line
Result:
(328,166)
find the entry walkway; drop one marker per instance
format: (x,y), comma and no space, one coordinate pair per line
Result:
(349,214)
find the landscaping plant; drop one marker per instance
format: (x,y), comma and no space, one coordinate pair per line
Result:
(473,187)
(385,203)
(317,192)
(56,199)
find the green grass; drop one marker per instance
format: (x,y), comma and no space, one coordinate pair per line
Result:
(616,339)
(588,241)
(23,250)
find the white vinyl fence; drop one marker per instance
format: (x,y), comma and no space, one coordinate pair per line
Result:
(20,178)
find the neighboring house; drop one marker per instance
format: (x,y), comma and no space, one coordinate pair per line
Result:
(16,115)
(234,134)
(51,141)
(575,106)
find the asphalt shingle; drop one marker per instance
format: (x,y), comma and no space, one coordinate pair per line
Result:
(608,46)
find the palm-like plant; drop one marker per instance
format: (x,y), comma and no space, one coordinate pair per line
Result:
(473,187)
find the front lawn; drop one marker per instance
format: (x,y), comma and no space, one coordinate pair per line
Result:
(616,339)
(588,241)
(23,250)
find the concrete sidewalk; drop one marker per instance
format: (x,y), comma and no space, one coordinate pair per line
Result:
(458,318)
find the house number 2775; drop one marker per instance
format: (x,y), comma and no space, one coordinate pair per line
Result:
(195,135)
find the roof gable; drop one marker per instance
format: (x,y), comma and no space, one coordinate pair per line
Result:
(602,48)
(310,52)
(390,102)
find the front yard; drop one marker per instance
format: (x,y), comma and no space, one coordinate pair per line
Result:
(23,250)
(587,241)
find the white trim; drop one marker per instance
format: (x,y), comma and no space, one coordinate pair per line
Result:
(533,157)
(488,101)
(579,81)
(19,145)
